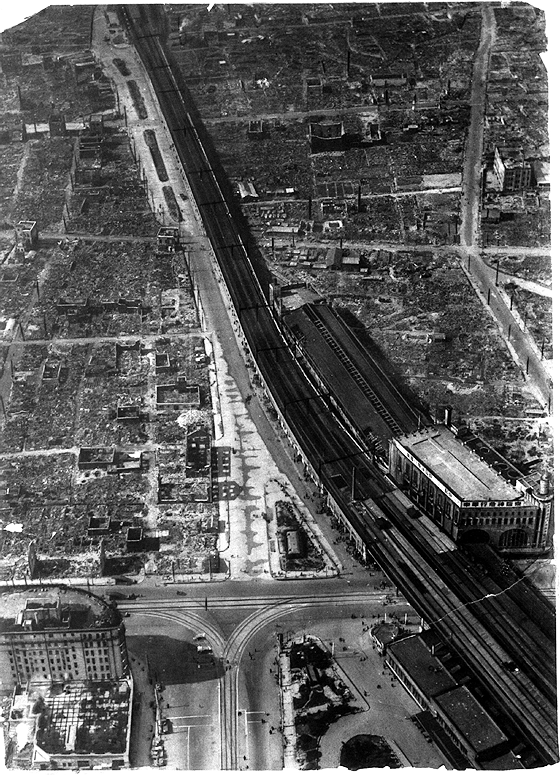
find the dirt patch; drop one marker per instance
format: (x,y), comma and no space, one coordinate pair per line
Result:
(121,66)
(364,751)
(171,203)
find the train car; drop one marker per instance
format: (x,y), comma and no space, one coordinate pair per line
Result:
(400,498)
(412,516)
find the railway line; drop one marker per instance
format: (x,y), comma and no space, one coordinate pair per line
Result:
(485,599)
(445,611)
(500,642)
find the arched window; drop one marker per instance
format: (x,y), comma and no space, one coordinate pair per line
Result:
(514,539)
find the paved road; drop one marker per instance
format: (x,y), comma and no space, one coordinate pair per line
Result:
(51,236)
(238,626)
(104,339)
(395,247)
(472,164)
(528,285)
(365,197)
(521,344)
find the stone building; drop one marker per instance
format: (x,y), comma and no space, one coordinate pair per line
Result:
(64,671)
(472,492)
(59,634)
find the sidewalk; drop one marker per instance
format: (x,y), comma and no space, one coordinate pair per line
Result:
(288,716)
(259,450)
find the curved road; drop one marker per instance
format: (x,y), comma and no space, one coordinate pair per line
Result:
(290,389)
(262,612)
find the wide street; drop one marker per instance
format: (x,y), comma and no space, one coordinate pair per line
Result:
(224,707)
(213,647)
(482,277)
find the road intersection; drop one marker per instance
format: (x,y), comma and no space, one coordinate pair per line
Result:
(243,634)
(235,692)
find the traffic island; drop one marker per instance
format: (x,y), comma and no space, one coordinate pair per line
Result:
(315,693)
(297,548)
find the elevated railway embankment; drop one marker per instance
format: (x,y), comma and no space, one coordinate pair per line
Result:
(514,659)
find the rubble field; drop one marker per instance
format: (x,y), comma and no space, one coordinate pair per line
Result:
(343,127)
(94,444)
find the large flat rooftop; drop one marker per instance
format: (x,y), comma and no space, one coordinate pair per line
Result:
(335,375)
(416,659)
(465,712)
(360,383)
(53,609)
(457,466)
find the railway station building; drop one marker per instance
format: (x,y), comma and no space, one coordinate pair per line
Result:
(453,717)
(363,394)
(472,492)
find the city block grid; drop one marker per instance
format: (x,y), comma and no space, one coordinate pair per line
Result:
(393,165)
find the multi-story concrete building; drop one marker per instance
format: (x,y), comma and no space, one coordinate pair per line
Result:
(512,172)
(63,660)
(471,491)
(59,635)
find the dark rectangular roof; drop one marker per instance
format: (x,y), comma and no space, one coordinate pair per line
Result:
(424,669)
(335,375)
(345,364)
(467,715)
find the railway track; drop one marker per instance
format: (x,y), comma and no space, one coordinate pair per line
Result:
(505,619)
(485,657)
(486,632)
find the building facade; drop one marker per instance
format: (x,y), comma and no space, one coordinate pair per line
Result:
(59,635)
(512,172)
(471,491)
(63,660)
